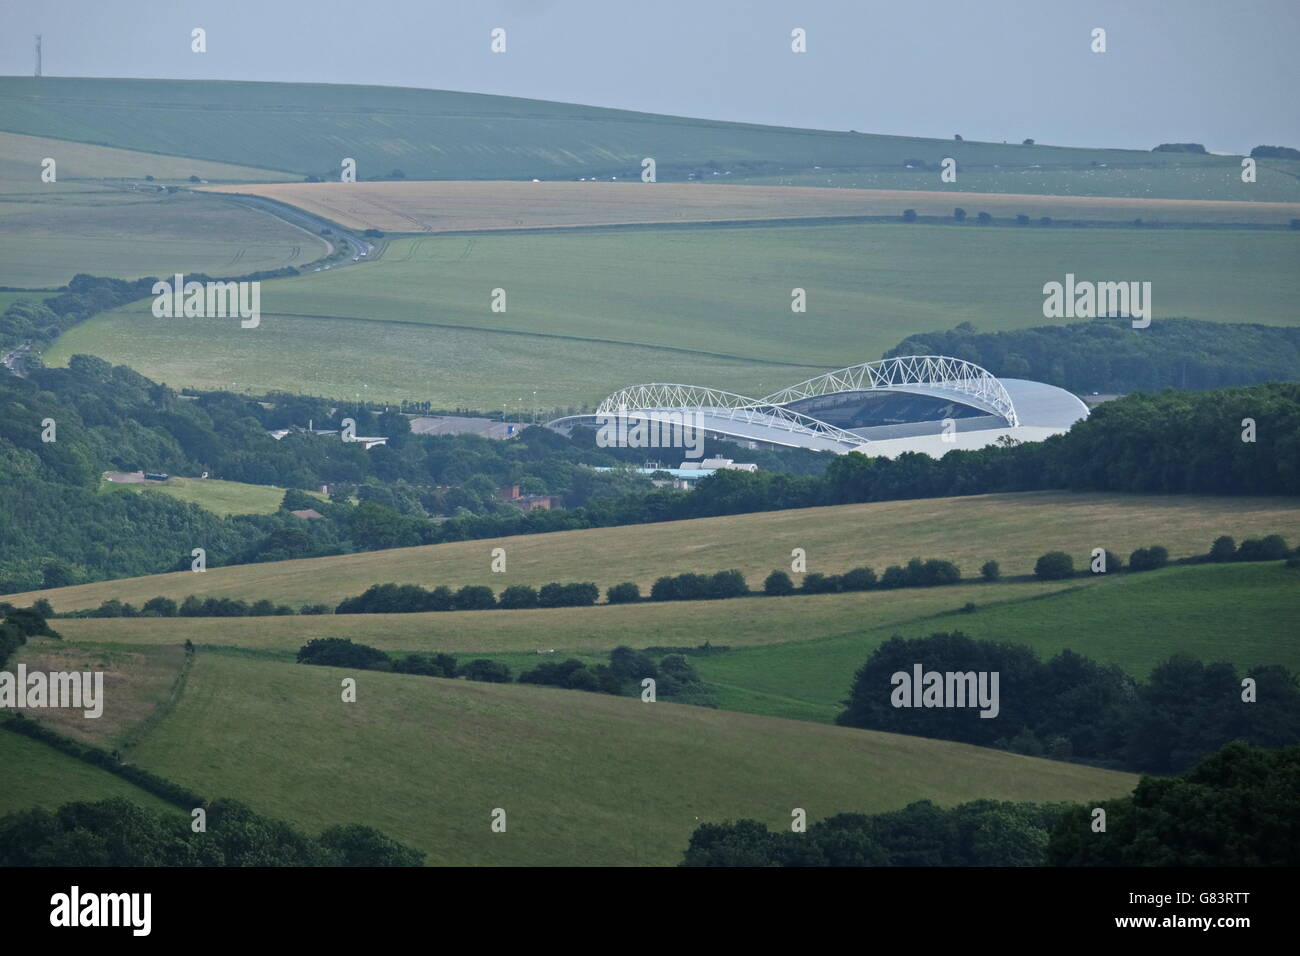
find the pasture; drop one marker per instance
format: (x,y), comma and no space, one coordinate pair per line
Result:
(697,305)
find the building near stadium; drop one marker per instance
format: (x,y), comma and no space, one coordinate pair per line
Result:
(922,403)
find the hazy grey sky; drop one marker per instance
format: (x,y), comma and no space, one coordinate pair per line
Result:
(1220,72)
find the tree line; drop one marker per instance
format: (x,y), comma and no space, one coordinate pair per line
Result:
(674,676)
(1110,356)
(1236,808)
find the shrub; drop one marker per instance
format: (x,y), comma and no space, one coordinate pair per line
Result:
(859,579)
(159,607)
(816,583)
(894,577)
(494,672)
(316,609)
(990,571)
(568,595)
(1223,549)
(1148,559)
(1054,566)
(474,597)
(625,593)
(341,652)
(727,584)
(778,584)
(629,665)
(517,597)
(1271,548)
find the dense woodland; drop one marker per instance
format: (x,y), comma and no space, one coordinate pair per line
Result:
(1110,356)
(1073,708)
(59,527)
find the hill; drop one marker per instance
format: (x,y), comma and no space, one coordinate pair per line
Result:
(436,134)
(1013,529)
(428,760)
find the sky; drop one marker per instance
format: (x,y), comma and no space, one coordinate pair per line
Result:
(1218,72)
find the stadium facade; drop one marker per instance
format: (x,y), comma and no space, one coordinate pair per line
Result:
(924,403)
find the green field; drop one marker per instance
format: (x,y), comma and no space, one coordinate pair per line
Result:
(47,237)
(795,656)
(219,497)
(435,134)
(702,305)
(1013,529)
(37,775)
(427,761)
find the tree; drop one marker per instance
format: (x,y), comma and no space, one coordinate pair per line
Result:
(494,672)
(1054,566)
(1223,549)
(959,214)
(474,597)
(909,215)
(518,596)
(1148,559)
(990,571)
(984,219)
(626,593)
(1028,142)
(778,584)
(858,579)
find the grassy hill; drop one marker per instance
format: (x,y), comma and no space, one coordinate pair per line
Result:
(436,134)
(584,778)
(795,656)
(700,305)
(1013,529)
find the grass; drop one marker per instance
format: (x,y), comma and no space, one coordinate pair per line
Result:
(795,657)
(37,775)
(742,622)
(219,497)
(21,157)
(1013,529)
(1133,621)
(700,305)
(432,207)
(435,134)
(427,761)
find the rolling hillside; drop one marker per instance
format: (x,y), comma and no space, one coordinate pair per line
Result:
(434,134)
(1013,529)
(427,761)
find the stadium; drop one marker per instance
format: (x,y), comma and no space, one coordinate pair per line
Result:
(923,403)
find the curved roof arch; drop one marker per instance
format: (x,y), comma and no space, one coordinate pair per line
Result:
(936,375)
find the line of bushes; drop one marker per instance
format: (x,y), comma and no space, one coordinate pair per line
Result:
(112,762)
(1058,565)
(675,678)
(411,598)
